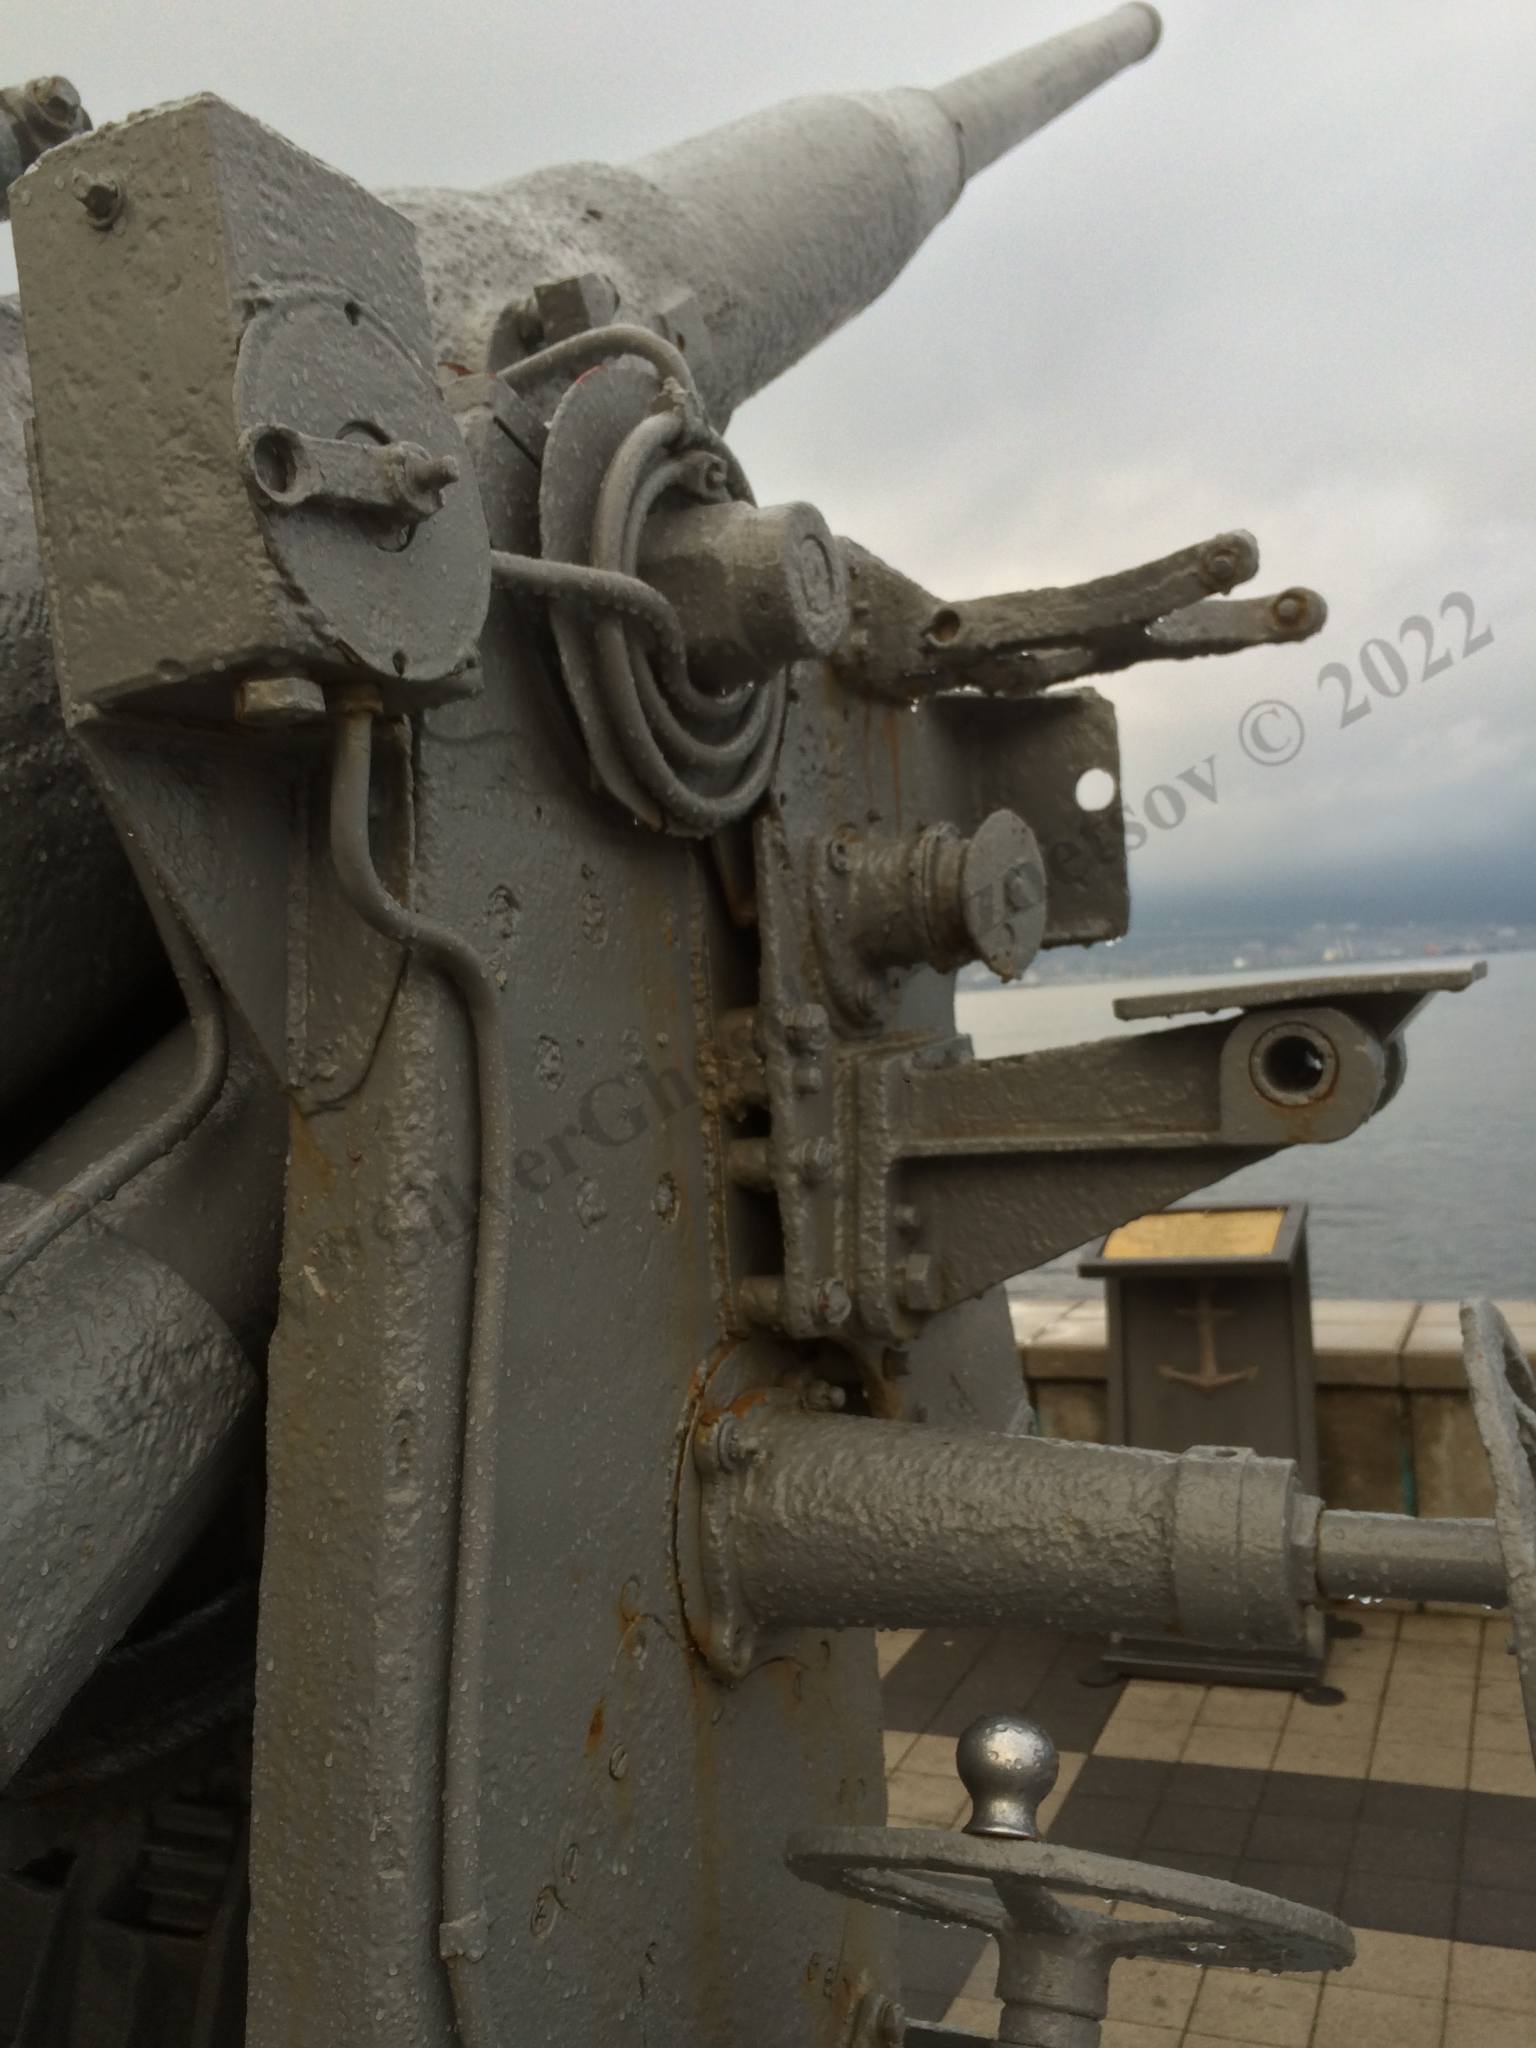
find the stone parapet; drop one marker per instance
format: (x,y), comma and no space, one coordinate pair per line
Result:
(1395,1426)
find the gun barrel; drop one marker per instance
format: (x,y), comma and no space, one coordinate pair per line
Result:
(748,245)
(1002,104)
(758,239)
(814,207)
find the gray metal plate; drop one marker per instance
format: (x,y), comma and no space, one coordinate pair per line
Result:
(325,365)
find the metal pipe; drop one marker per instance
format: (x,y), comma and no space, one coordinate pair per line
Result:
(463,1926)
(127,1389)
(124,1406)
(1409,1557)
(103,1177)
(849,1522)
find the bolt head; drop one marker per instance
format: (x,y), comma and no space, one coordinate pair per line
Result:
(806,1027)
(833,1304)
(102,198)
(54,104)
(1017,893)
(823,1397)
(921,1285)
(814,1160)
(890,2024)
(574,305)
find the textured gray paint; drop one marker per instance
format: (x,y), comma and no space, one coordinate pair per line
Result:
(71,922)
(77,942)
(634,1798)
(780,227)
(1377,1557)
(1055,1952)
(127,1388)
(845,1522)
(121,1400)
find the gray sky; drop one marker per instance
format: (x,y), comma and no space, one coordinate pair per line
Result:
(1279,276)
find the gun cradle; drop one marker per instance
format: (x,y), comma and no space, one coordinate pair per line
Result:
(580,857)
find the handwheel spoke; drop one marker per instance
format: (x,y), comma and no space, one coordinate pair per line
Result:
(1056,1955)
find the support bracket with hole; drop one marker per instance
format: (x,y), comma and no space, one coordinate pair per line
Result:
(938,1175)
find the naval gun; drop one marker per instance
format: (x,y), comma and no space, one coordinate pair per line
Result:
(470,1391)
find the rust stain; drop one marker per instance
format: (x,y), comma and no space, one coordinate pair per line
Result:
(711,1987)
(785,1677)
(884,1393)
(694,1411)
(310,1171)
(754,1397)
(594,1729)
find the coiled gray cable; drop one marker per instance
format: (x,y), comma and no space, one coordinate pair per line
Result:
(704,758)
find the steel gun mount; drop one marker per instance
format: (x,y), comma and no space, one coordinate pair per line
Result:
(572,858)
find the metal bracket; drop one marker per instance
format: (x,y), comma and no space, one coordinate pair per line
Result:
(939,1176)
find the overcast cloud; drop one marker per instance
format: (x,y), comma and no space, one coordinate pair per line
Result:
(1278,276)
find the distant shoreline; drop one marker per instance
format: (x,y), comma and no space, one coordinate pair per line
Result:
(1160,955)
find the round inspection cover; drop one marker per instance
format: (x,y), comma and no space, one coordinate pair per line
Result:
(406,607)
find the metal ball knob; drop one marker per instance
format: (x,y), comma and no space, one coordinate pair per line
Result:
(1009,1766)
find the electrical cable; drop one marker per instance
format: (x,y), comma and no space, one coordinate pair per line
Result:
(704,758)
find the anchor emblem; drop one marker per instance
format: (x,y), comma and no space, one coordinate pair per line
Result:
(1208,1378)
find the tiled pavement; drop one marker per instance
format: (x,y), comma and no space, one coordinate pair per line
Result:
(1409,1808)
